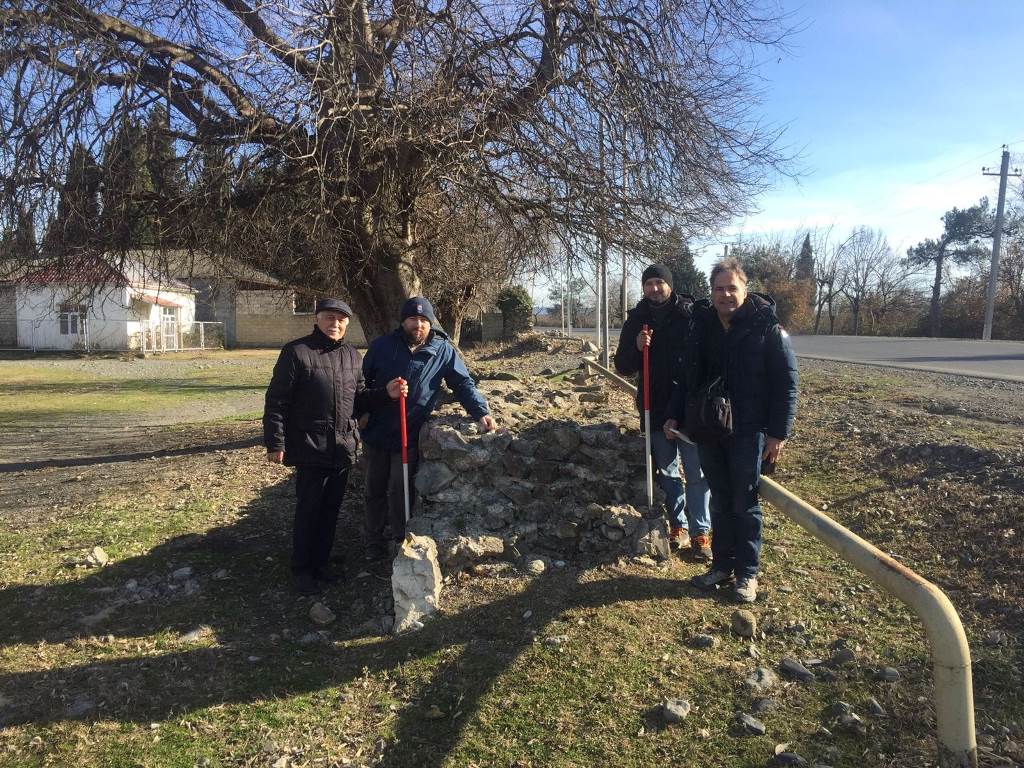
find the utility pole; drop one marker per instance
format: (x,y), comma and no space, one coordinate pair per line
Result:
(601,310)
(997,240)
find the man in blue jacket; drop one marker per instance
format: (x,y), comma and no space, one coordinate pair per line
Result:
(419,352)
(737,338)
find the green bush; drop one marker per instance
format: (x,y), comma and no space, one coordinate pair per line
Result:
(516,308)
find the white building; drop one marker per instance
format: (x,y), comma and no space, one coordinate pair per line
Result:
(100,303)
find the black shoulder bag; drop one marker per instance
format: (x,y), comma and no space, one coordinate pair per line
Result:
(709,413)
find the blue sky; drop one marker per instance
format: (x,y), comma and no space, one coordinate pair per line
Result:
(893,108)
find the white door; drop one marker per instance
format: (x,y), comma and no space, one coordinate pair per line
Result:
(169,327)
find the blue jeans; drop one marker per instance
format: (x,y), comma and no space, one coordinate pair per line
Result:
(693,514)
(733,469)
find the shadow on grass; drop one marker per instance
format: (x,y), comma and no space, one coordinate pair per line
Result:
(255,657)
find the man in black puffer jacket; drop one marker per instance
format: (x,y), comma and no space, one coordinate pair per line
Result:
(315,396)
(667,317)
(737,337)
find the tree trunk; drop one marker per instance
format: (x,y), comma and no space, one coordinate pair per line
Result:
(936,308)
(378,294)
(855,306)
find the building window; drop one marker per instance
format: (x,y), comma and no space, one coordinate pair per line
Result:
(72,319)
(303,304)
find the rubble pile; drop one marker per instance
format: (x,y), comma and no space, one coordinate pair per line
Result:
(570,487)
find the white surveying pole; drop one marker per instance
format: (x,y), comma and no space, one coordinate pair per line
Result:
(997,240)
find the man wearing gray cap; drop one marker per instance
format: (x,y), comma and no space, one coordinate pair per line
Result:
(315,396)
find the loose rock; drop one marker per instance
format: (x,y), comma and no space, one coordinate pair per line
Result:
(761,679)
(675,710)
(888,674)
(415,582)
(875,709)
(702,641)
(744,623)
(321,614)
(750,724)
(790,667)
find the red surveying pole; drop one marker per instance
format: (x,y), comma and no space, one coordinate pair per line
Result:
(405,449)
(647,423)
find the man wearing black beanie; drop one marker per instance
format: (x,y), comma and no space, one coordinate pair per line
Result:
(667,317)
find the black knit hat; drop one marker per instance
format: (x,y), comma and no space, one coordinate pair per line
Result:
(659,271)
(417,306)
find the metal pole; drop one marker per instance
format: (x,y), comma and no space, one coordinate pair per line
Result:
(607,314)
(997,240)
(405,450)
(647,424)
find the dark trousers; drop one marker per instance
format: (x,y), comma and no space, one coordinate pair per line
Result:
(385,496)
(318,496)
(733,470)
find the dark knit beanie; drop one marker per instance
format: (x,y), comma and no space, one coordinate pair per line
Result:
(418,306)
(659,271)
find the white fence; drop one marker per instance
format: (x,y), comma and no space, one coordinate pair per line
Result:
(178,337)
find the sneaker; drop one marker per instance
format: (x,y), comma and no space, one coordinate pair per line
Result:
(746,590)
(679,538)
(701,544)
(306,584)
(710,579)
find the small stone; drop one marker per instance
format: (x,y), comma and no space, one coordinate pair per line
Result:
(221,574)
(790,667)
(750,724)
(675,710)
(182,574)
(387,623)
(195,635)
(131,585)
(875,709)
(789,758)
(995,637)
(97,558)
(842,657)
(763,705)
(761,679)
(80,707)
(888,674)
(311,638)
(527,614)
(852,723)
(744,623)
(535,567)
(434,713)
(321,614)
(556,640)
(702,641)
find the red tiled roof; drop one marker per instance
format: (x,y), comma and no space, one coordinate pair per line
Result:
(96,270)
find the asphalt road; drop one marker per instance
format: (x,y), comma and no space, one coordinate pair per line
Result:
(965,357)
(990,359)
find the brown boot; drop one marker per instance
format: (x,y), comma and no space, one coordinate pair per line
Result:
(701,544)
(679,539)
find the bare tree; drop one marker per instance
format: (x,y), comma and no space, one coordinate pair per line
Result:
(355,126)
(862,253)
(829,277)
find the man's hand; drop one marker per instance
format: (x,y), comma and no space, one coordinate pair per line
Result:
(487,423)
(397,386)
(773,449)
(669,425)
(643,339)
(275,457)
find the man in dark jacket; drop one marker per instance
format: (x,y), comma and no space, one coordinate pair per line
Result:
(737,337)
(420,353)
(667,317)
(309,422)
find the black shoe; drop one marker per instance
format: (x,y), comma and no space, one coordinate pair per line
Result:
(328,575)
(306,584)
